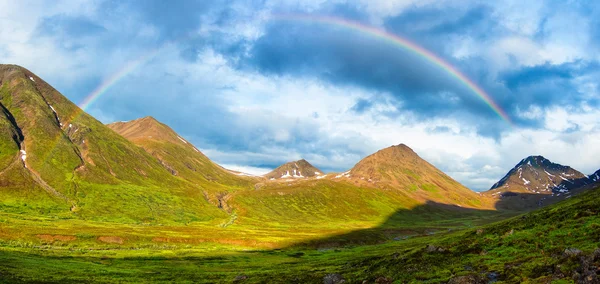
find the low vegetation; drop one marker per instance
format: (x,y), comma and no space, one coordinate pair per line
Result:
(551,244)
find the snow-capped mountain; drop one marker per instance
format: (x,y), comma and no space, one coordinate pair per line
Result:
(296,169)
(536,174)
(595,177)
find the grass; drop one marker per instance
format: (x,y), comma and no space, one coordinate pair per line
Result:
(527,248)
(124,217)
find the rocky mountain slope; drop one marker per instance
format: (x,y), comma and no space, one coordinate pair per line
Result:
(536,181)
(536,174)
(295,169)
(595,177)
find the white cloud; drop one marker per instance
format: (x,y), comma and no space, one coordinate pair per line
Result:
(284,108)
(257,171)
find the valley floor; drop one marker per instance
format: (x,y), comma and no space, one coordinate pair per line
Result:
(557,243)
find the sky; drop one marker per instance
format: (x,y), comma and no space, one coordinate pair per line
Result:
(255,84)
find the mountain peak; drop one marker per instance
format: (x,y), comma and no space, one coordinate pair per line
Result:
(295,169)
(146,128)
(539,175)
(399,167)
(148,118)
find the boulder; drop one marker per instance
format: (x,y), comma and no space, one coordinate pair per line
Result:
(333,279)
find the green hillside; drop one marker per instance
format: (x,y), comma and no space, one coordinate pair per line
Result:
(557,244)
(135,202)
(182,159)
(76,167)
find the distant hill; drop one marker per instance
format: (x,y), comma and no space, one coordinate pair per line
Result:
(295,169)
(400,168)
(536,181)
(177,155)
(537,174)
(182,159)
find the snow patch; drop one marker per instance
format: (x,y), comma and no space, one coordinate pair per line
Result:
(31,78)
(244,174)
(525,182)
(182,140)
(56,114)
(287,175)
(548,173)
(320,177)
(23,155)
(566,179)
(318,173)
(344,174)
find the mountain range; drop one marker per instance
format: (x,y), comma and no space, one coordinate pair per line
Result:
(98,200)
(56,158)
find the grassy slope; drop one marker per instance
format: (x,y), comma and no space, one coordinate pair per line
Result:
(133,217)
(527,248)
(181,158)
(93,170)
(399,167)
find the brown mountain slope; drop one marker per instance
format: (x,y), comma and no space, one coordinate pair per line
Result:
(295,169)
(536,174)
(536,181)
(178,156)
(400,168)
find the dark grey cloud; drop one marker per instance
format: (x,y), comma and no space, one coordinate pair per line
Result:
(441,22)
(550,84)
(346,57)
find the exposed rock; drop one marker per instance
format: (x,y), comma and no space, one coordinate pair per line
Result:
(536,174)
(432,248)
(588,270)
(492,277)
(571,252)
(333,279)
(240,278)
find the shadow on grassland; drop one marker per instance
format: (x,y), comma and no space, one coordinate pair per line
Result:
(429,219)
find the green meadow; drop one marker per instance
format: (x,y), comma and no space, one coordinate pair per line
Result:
(435,247)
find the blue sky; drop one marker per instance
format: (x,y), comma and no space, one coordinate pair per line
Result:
(253,89)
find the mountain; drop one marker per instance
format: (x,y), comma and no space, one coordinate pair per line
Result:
(56,158)
(175,154)
(399,167)
(536,181)
(182,159)
(595,177)
(536,174)
(295,169)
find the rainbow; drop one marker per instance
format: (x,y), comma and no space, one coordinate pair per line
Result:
(404,44)
(116,77)
(104,86)
(340,22)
